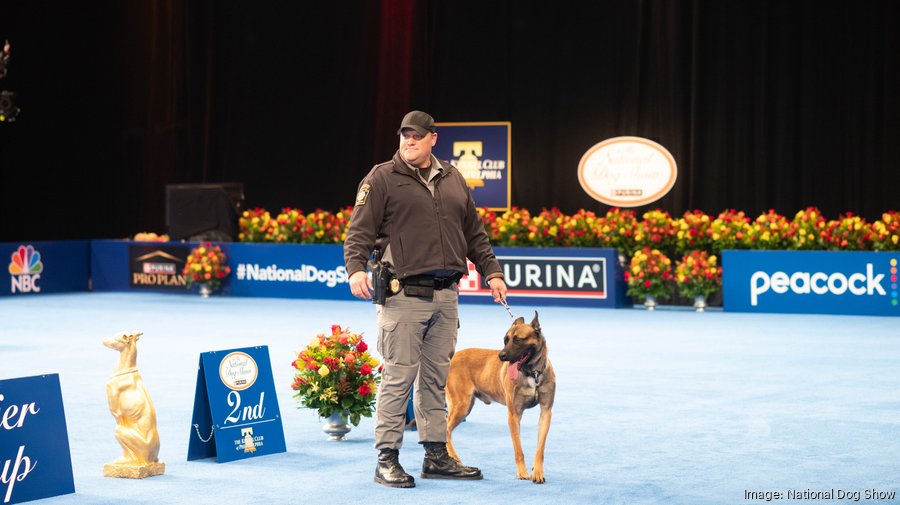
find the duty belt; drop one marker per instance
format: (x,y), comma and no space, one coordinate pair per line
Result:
(437,283)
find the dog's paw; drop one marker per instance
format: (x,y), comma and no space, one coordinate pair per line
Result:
(523,475)
(537,477)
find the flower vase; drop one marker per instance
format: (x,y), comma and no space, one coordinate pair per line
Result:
(700,303)
(205,291)
(336,426)
(650,302)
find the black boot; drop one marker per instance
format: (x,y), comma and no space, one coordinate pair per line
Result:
(439,465)
(389,472)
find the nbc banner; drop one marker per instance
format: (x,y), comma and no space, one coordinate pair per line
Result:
(482,153)
(45,267)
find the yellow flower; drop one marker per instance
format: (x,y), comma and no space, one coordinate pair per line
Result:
(636,269)
(313,343)
(324,371)
(373,362)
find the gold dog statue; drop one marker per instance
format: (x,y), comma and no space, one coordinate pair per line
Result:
(135,416)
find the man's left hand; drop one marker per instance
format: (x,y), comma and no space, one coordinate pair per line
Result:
(498,289)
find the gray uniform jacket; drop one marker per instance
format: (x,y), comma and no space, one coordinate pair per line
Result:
(426,233)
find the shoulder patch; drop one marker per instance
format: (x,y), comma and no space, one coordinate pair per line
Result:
(363,194)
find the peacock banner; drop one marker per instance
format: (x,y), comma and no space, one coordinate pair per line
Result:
(811,282)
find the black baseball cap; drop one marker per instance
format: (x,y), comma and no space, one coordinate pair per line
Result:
(419,121)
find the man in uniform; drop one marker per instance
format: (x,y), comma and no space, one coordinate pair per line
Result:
(418,213)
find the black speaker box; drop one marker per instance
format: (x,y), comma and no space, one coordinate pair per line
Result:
(204,212)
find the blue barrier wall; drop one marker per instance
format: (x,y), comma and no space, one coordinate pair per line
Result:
(568,277)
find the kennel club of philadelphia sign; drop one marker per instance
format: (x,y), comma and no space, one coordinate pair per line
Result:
(627,171)
(482,153)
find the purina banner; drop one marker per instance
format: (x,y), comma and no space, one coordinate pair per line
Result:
(236,413)
(482,152)
(34,444)
(33,268)
(811,282)
(575,277)
(157,266)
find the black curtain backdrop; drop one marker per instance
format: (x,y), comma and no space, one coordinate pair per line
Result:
(764,104)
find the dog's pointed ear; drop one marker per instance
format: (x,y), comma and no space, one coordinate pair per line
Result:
(535,323)
(520,320)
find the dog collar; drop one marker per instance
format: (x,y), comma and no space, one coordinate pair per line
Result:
(126,371)
(534,373)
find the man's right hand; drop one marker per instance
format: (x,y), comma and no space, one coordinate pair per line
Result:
(361,285)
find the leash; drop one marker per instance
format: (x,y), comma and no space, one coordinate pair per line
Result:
(506,306)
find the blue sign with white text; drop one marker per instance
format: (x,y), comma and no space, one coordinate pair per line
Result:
(482,152)
(236,413)
(818,282)
(44,267)
(289,270)
(34,443)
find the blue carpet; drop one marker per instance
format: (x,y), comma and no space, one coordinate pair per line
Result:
(670,406)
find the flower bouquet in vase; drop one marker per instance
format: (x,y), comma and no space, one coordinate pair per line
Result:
(337,377)
(207,267)
(698,275)
(649,276)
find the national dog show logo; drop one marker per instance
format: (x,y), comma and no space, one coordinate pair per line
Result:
(25,270)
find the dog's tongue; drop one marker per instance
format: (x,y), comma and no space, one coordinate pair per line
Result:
(513,371)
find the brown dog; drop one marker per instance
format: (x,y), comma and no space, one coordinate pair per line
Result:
(520,376)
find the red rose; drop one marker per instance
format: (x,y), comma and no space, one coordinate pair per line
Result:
(361,346)
(364,390)
(365,369)
(647,284)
